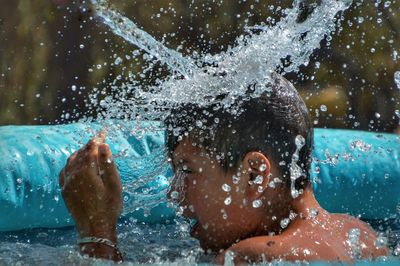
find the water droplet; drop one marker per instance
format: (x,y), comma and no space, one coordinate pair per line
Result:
(19,180)
(294,193)
(362,146)
(73,87)
(397,112)
(257,203)
(313,213)
(396,251)
(229,258)
(199,123)
(224,214)
(81,46)
(262,167)
(37,95)
(323,108)
(306,252)
(228,200)
(174,195)
(176,132)
(377,115)
(118,61)
(56,198)
(300,141)
(271,184)
(284,223)
(317,169)
(226,188)
(395,55)
(381,241)
(292,215)
(235,179)
(126,198)
(397,79)
(259,179)
(191,208)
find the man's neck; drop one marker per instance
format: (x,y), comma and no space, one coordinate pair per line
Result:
(308,210)
(306,203)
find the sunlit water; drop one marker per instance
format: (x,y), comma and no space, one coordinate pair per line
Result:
(199,78)
(140,244)
(196,78)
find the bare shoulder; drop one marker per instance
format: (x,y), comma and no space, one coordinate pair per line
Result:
(368,237)
(327,242)
(268,248)
(255,249)
(351,220)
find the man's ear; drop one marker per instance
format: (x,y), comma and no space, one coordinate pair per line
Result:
(257,174)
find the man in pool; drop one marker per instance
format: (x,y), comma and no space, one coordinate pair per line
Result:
(242,174)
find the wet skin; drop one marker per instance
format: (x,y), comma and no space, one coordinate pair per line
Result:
(91,189)
(313,234)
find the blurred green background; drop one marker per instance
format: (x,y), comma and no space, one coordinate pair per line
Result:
(53,53)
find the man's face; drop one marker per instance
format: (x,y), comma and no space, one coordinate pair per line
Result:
(216,199)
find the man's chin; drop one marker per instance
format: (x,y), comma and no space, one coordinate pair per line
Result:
(207,241)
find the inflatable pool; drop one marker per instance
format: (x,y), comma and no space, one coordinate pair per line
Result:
(353,172)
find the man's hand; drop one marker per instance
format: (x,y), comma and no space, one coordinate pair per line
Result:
(91,189)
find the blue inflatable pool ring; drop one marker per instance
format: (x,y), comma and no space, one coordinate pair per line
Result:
(353,171)
(357,172)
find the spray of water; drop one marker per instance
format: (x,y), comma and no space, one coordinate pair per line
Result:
(262,50)
(282,47)
(128,30)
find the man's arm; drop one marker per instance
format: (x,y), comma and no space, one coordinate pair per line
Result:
(92,192)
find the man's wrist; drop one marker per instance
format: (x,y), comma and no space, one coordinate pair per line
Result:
(101,251)
(107,231)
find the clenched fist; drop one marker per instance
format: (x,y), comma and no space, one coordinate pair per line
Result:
(92,191)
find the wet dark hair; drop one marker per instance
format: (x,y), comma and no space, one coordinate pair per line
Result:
(268,124)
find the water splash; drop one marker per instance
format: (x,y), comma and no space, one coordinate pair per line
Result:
(127,29)
(255,57)
(282,47)
(295,170)
(354,242)
(262,50)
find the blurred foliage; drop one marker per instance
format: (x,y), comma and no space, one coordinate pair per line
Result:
(53,53)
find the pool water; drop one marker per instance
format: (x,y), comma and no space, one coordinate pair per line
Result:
(166,244)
